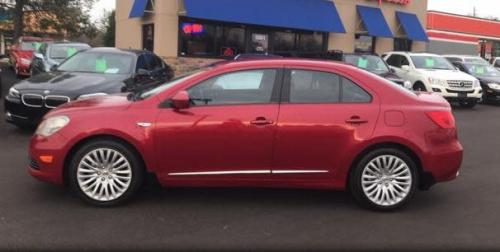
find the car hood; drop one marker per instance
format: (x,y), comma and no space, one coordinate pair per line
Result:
(447,74)
(108,102)
(71,82)
(490,79)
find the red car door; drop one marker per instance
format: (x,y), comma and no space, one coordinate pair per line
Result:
(227,133)
(323,115)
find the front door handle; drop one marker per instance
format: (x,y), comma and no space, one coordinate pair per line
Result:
(261,121)
(356,120)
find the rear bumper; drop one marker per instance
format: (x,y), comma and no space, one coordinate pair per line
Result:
(444,163)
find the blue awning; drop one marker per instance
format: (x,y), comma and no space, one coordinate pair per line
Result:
(138,8)
(412,26)
(314,15)
(374,22)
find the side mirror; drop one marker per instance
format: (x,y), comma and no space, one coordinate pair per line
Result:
(405,68)
(38,55)
(54,67)
(392,70)
(143,73)
(181,100)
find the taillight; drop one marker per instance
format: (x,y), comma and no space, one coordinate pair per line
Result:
(443,119)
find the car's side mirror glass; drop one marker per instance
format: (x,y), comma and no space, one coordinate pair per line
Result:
(142,73)
(181,100)
(405,67)
(54,67)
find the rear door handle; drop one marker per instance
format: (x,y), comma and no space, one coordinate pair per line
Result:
(261,121)
(356,120)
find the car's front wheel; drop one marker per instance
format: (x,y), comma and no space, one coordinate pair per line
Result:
(468,104)
(385,179)
(105,173)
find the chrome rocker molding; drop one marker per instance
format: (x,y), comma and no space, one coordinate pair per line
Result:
(246,172)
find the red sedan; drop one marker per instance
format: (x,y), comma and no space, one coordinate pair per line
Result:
(256,123)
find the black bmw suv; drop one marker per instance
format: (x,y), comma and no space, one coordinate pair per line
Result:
(93,72)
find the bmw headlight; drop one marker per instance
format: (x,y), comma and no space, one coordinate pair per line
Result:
(25,61)
(495,86)
(51,125)
(439,82)
(86,96)
(14,93)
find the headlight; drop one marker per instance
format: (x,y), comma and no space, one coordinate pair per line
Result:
(25,61)
(439,82)
(51,125)
(477,84)
(14,93)
(494,86)
(407,85)
(86,96)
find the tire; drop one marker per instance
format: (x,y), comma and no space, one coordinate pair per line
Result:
(468,104)
(419,87)
(398,191)
(99,186)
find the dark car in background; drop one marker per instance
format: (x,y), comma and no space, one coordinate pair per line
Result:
(376,65)
(51,54)
(489,77)
(94,72)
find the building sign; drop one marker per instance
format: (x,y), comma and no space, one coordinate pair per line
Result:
(190,28)
(401,2)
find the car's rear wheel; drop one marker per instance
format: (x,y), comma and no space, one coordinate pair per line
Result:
(385,179)
(105,173)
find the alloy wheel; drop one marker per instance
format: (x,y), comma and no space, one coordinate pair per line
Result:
(104,174)
(386,180)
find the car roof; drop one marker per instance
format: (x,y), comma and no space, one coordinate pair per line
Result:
(461,56)
(414,53)
(284,61)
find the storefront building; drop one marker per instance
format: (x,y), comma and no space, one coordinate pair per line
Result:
(456,34)
(298,28)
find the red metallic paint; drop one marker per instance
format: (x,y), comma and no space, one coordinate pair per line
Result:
(224,138)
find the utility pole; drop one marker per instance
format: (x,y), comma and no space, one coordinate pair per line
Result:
(474,11)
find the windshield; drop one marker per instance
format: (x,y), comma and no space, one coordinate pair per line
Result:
(65,51)
(483,70)
(476,60)
(99,62)
(170,84)
(371,63)
(432,62)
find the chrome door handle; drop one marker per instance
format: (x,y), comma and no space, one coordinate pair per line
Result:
(261,121)
(356,120)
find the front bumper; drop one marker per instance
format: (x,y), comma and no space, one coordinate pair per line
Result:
(53,146)
(458,94)
(18,113)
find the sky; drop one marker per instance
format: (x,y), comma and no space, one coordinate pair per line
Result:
(98,9)
(484,8)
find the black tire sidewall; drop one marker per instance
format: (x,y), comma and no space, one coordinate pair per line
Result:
(355,179)
(136,165)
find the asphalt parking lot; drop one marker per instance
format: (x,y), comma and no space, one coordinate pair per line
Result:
(460,215)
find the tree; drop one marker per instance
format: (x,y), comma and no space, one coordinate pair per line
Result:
(109,26)
(62,15)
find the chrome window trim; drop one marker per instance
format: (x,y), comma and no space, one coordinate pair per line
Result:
(32,106)
(298,171)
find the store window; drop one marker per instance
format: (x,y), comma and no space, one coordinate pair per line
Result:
(312,42)
(364,44)
(402,45)
(197,39)
(232,41)
(284,42)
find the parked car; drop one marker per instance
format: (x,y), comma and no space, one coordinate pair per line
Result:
(465,59)
(51,54)
(495,62)
(323,125)
(487,75)
(376,65)
(98,71)
(434,73)
(21,53)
